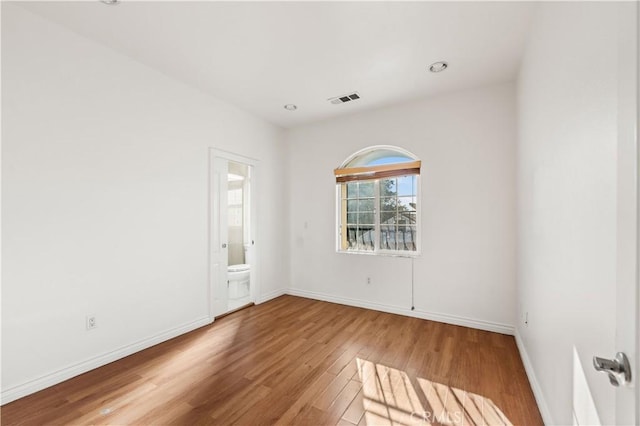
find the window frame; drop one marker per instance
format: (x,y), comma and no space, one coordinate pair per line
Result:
(377,251)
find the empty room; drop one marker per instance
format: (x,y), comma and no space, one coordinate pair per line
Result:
(319,213)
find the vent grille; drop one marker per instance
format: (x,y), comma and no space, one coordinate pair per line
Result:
(344,98)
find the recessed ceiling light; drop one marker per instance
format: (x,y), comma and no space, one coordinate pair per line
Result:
(438,66)
(110,2)
(290,107)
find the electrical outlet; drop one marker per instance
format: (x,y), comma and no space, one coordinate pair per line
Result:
(91,322)
(368,280)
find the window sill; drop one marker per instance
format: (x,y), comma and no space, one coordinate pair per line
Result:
(381,253)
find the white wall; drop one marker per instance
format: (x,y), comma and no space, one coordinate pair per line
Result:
(567,200)
(466,273)
(104,185)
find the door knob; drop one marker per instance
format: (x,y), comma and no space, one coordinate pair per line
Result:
(224,245)
(618,369)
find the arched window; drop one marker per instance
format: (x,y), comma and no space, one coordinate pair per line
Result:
(378,202)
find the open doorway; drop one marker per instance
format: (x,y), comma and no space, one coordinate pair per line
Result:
(232,243)
(238,235)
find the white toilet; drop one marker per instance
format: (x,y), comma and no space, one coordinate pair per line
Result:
(239,277)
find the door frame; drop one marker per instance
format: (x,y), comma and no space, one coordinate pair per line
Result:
(253,224)
(628,209)
(637,136)
(637,141)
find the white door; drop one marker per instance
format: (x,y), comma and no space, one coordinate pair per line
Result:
(218,249)
(219,228)
(627,297)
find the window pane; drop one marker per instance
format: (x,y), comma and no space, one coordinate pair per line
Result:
(411,217)
(352,206)
(352,189)
(387,218)
(235,196)
(407,185)
(366,237)
(392,237)
(352,218)
(365,205)
(386,241)
(366,189)
(400,238)
(235,216)
(388,204)
(351,236)
(365,218)
(404,219)
(406,204)
(407,238)
(388,187)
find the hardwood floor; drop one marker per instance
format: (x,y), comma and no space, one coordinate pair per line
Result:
(299,361)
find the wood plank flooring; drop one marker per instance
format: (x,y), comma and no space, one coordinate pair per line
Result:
(303,362)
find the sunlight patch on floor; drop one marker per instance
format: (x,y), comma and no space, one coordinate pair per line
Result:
(390,398)
(123,405)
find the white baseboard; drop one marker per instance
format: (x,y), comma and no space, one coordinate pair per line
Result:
(271,295)
(432,316)
(59,376)
(32,386)
(535,385)
(448,319)
(35,385)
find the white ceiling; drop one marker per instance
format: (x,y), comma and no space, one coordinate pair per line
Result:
(260,56)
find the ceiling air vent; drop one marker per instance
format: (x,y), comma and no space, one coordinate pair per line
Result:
(344,98)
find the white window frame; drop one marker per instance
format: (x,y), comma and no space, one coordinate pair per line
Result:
(377,251)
